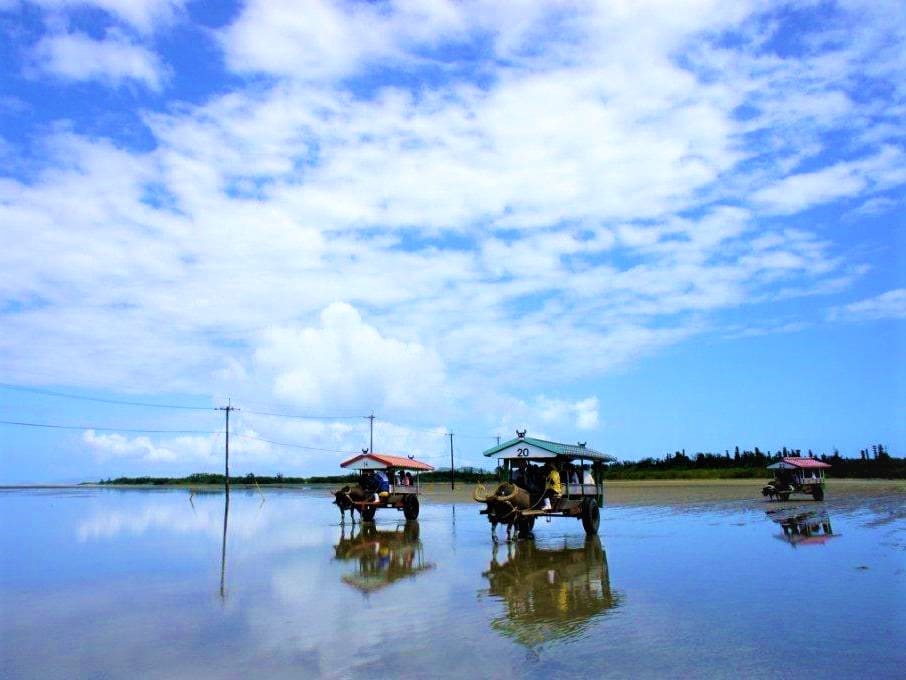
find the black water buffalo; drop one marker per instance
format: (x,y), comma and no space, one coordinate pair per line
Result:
(346,498)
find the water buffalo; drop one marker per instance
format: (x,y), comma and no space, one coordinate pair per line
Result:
(503,506)
(346,498)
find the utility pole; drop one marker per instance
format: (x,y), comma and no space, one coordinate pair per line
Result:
(371,433)
(226,459)
(498,440)
(452,473)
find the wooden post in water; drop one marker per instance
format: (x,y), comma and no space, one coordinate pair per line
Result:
(452,469)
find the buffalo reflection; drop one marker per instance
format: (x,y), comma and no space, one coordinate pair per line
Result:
(550,593)
(803,528)
(383,556)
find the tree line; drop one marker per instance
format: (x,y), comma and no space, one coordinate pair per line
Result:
(464,474)
(874,462)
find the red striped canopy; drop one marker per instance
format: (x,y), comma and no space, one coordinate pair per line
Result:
(793,462)
(387,461)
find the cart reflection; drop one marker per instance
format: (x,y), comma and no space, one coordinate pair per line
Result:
(549,592)
(803,528)
(382,556)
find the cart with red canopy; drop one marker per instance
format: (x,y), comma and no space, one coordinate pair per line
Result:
(385,481)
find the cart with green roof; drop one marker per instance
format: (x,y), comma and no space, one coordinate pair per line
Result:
(520,497)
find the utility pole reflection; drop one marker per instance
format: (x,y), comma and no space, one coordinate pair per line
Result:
(226,515)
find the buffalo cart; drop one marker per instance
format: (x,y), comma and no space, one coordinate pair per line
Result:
(522,496)
(796,475)
(384,481)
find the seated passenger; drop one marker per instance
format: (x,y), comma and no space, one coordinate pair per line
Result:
(383,483)
(534,476)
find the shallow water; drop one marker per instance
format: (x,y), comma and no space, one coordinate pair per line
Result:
(698,580)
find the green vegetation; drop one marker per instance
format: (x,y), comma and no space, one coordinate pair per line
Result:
(874,463)
(206,478)
(464,475)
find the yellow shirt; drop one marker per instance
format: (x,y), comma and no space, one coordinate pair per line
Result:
(553,482)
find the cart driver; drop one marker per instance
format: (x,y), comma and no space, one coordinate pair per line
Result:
(520,478)
(552,487)
(370,483)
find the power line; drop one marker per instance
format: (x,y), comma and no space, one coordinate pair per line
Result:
(103,429)
(294,446)
(302,417)
(132,430)
(275,414)
(64,395)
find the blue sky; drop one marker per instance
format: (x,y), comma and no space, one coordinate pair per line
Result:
(648,225)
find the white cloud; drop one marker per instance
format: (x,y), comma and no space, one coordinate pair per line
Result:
(346,364)
(143,15)
(586,413)
(841,180)
(546,417)
(176,449)
(875,206)
(114,60)
(316,39)
(582,414)
(889,305)
(801,191)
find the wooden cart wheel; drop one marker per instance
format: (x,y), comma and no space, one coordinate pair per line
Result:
(410,507)
(368,513)
(818,493)
(591,516)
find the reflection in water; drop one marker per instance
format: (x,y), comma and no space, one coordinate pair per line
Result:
(550,593)
(226,515)
(383,556)
(803,528)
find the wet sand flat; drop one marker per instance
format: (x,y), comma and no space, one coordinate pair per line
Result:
(686,579)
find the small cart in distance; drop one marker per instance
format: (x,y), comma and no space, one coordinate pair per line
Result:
(796,475)
(367,497)
(518,501)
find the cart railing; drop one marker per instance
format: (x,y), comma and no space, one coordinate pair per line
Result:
(582,490)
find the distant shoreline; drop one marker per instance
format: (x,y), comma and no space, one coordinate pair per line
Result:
(430,487)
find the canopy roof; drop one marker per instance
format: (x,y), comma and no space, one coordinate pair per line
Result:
(791,463)
(541,448)
(382,461)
